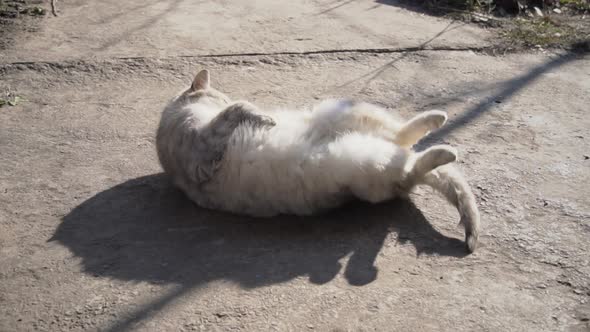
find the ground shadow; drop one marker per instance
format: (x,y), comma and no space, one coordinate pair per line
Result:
(145,230)
(335,5)
(438,8)
(506,91)
(367,78)
(420,6)
(172,6)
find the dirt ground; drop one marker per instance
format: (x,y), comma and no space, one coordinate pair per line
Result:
(93,238)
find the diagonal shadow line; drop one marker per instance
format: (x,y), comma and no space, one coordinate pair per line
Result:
(116,40)
(344,3)
(448,28)
(125,12)
(373,7)
(378,71)
(145,311)
(511,88)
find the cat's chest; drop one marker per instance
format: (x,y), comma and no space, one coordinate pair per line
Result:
(202,112)
(344,104)
(335,106)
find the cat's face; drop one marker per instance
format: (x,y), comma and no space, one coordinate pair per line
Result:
(201,91)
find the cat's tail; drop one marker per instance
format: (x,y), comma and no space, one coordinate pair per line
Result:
(450,183)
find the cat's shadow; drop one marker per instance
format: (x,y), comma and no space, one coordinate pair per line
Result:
(145,230)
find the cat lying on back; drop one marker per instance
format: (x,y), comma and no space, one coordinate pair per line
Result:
(235,157)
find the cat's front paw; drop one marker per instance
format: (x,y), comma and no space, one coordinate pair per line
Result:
(266,121)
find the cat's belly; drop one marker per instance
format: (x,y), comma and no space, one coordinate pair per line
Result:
(265,191)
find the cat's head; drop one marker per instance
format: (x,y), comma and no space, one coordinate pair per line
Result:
(201,91)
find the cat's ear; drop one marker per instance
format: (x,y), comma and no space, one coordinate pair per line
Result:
(201,81)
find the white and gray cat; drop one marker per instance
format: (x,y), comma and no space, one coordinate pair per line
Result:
(234,157)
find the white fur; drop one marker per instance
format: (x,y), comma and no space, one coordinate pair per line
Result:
(303,161)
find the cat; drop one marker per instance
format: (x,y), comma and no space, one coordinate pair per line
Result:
(234,157)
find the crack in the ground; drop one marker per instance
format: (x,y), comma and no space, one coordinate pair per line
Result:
(385,50)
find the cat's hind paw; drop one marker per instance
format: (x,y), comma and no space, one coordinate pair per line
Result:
(471,240)
(440,155)
(435,119)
